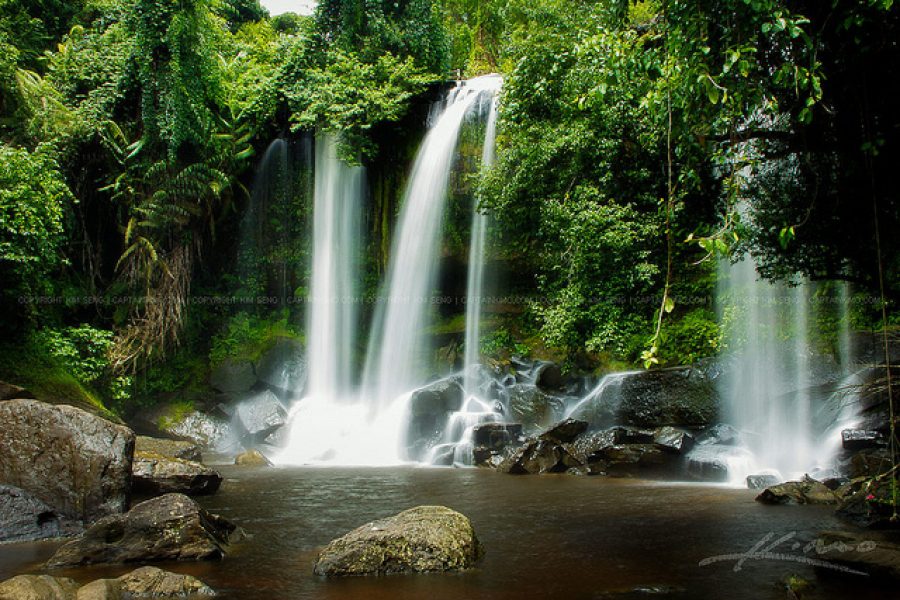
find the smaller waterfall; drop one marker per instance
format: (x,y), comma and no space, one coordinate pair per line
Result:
(604,395)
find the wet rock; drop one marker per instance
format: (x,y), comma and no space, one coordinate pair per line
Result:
(548,376)
(252,458)
(171,448)
(720,434)
(869,463)
(670,439)
(681,396)
(233,376)
(9,391)
(75,462)
(533,408)
(421,539)
(709,462)
(631,460)
(153,473)
(151,582)
(170,527)
(199,428)
(589,447)
(282,368)
(440,397)
(565,431)
(25,518)
(761,481)
(260,415)
(38,587)
(806,491)
(496,435)
(867,506)
(860,439)
(874,554)
(101,589)
(538,456)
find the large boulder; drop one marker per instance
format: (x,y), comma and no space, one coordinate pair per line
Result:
(421,539)
(153,473)
(233,376)
(10,391)
(38,587)
(201,429)
(25,518)
(539,456)
(496,436)
(533,408)
(429,408)
(671,439)
(75,462)
(152,582)
(805,491)
(259,416)
(282,368)
(709,462)
(170,527)
(565,431)
(171,448)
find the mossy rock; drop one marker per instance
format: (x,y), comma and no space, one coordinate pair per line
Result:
(418,540)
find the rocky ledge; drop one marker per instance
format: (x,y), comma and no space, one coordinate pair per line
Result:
(421,539)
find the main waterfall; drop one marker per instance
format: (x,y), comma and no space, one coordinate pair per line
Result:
(335,423)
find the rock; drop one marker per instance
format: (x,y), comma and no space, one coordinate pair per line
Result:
(170,527)
(533,408)
(421,539)
(440,397)
(867,506)
(673,440)
(680,396)
(25,518)
(282,368)
(761,481)
(861,551)
(252,458)
(38,587)
(75,462)
(233,376)
(860,439)
(538,456)
(631,460)
(171,448)
(870,462)
(153,473)
(201,429)
(548,376)
(496,435)
(9,391)
(565,431)
(151,582)
(720,434)
(101,589)
(259,416)
(806,491)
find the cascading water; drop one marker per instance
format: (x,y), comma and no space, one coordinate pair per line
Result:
(397,343)
(324,418)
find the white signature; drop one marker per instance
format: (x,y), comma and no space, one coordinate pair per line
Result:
(764,550)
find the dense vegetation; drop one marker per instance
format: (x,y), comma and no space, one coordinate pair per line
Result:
(639,142)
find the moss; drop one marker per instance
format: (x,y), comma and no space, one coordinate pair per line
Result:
(176,412)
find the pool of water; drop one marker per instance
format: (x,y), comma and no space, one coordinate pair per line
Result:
(548,536)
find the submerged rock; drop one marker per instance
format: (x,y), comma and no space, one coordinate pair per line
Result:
(170,527)
(25,518)
(806,491)
(38,587)
(153,473)
(151,582)
(171,448)
(876,555)
(421,539)
(77,463)
(252,458)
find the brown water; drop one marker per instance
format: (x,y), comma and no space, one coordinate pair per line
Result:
(553,537)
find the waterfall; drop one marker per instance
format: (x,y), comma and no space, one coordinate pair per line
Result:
(331,320)
(397,344)
(475,279)
(323,421)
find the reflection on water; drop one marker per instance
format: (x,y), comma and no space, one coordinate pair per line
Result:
(546,537)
